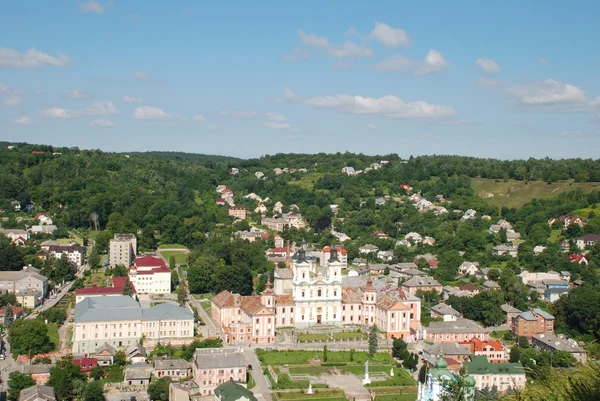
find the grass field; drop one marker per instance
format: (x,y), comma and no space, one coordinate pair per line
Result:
(303,357)
(586,212)
(171,246)
(203,296)
(513,193)
(53,334)
(307,181)
(555,236)
(180,257)
(397,397)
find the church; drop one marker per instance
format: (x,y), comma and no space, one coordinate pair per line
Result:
(312,291)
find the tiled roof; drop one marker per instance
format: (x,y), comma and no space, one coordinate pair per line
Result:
(252,305)
(286,299)
(224,299)
(149,261)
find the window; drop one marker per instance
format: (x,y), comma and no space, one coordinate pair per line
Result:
(319,293)
(334,293)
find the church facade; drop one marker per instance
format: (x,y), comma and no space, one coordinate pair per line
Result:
(312,291)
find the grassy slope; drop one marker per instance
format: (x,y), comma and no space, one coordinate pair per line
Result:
(307,181)
(512,193)
(180,257)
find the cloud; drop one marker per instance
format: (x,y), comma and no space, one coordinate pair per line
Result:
(10,58)
(297,54)
(212,126)
(434,62)
(489,82)
(96,109)
(14,98)
(75,94)
(150,113)
(103,123)
(544,62)
(389,106)
(133,100)
(388,36)
(346,49)
(142,76)
(342,65)
(23,120)
(288,97)
(571,134)
(237,114)
(488,65)
(275,117)
(91,7)
(394,63)
(548,92)
(276,121)
(371,126)
(199,117)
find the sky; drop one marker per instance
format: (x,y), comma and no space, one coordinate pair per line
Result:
(507,79)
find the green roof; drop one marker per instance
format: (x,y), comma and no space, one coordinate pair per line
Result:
(479,365)
(232,391)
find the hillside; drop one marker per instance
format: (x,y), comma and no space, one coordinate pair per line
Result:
(513,193)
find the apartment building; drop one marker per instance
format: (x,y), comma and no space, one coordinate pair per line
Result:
(30,288)
(533,321)
(150,275)
(214,366)
(122,249)
(238,212)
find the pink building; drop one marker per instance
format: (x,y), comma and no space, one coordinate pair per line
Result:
(214,366)
(460,330)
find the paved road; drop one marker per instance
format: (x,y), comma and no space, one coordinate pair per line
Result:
(261,391)
(6,366)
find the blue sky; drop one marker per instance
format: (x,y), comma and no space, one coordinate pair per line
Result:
(511,79)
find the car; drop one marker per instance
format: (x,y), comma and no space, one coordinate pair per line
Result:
(2,357)
(249,367)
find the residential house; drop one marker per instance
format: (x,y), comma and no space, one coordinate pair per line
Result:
(348,170)
(17,237)
(450,349)
(439,210)
(504,376)
(469,214)
(42,229)
(184,391)
(469,269)
(414,237)
(368,248)
(260,175)
(37,393)
(459,330)
(552,295)
(403,242)
(212,367)
(105,354)
(446,312)
(587,240)
(551,342)
(261,208)
(232,391)
(470,289)
(511,312)
(17,313)
(39,373)
(379,201)
(29,287)
(122,250)
(577,258)
(448,290)
(74,254)
(136,353)
(278,208)
(238,212)
(221,188)
(566,221)
(533,321)
(428,241)
(385,255)
(512,236)
(486,217)
(406,187)
(252,235)
(137,375)
(377,268)
(510,250)
(538,249)
(220,202)
(422,283)
(227,194)
(176,369)
(43,218)
(491,285)
(493,350)
(150,275)
(85,364)
(381,235)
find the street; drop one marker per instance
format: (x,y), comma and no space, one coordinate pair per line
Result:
(261,391)
(6,366)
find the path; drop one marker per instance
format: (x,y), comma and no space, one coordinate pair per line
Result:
(350,384)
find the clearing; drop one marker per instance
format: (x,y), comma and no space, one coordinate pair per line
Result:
(585,213)
(513,193)
(172,246)
(53,334)
(180,257)
(307,181)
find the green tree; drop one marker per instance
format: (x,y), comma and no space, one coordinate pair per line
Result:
(174,279)
(352,354)
(200,274)
(325,356)
(386,271)
(158,390)
(29,337)
(181,294)
(373,340)
(172,262)
(17,382)
(94,391)
(94,258)
(120,358)
(127,288)
(423,373)
(97,372)
(411,362)
(120,271)
(399,348)
(9,316)
(65,378)
(10,257)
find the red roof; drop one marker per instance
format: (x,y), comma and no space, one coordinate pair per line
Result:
(86,364)
(478,345)
(576,257)
(37,216)
(433,262)
(589,237)
(155,270)
(277,250)
(149,261)
(265,235)
(17,310)
(337,247)
(468,287)
(220,200)
(227,190)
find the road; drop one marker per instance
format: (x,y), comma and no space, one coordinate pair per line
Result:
(261,391)
(6,366)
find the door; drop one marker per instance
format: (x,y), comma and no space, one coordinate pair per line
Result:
(318,319)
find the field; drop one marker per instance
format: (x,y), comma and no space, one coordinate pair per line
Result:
(180,257)
(307,181)
(555,236)
(513,193)
(585,213)
(171,246)
(303,357)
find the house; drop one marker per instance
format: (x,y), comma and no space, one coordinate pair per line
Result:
(29,287)
(385,255)
(42,229)
(118,283)
(39,373)
(453,350)
(425,283)
(511,312)
(43,218)
(439,210)
(212,367)
(470,289)
(137,375)
(494,351)
(37,393)
(491,285)
(533,321)
(176,369)
(17,237)
(469,214)
(448,290)
(150,275)
(429,241)
(552,295)
(221,188)
(136,353)
(566,221)
(73,254)
(184,391)
(227,194)
(512,236)
(377,268)
(510,250)
(577,258)
(359,262)
(538,249)
(122,249)
(552,342)
(403,242)
(278,208)
(238,212)
(105,354)
(261,208)
(444,311)
(379,201)
(232,391)
(406,187)
(414,237)
(469,269)
(85,364)
(252,235)
(368,248)
(459,330)
(348,170)
(260,175)
(504,376)
(381,235)
(234,171)
(486,217)
(587,240)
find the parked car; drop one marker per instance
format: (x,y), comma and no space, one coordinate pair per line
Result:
(249,367)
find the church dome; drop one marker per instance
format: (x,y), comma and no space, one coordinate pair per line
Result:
(470,381)
(441,363)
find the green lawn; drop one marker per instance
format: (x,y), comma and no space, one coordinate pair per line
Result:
(98,278)
(53,334)
(555,236)
(180,257)
(397,397)
(350,335)
(513,193)
(171,246)
(401,378)
(304,337)
(330,395)
(203,296)
(307,181)
(277,357)
(585,213)
(360,369)
(206,306)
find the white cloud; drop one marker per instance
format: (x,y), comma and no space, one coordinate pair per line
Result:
(103,123)
(346,49)
(13,100)
(297,54)
(388,36)
(488,82)
(394,63)
(133,100)
(91,7)
(287,97)
(23,120)
(142,76)
(212,126)
(434,62)
(276,121)
(488,65)
(75,94)
(389,106)
(237,114)
(571,134)
(276,117)
(548,92)
(150,113)
(342,65)
(199,117)
(10,58)
(96,109)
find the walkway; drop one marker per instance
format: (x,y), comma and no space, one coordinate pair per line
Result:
(350,384)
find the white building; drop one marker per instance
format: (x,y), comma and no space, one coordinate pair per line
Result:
(122,249)
(150,275)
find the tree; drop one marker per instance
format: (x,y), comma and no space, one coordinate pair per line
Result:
(10,257)
(94,258)
(17,382)
(460,389)
(174,279)
(172,262)
(127,288)
(9,316)
(97,372)
(373,341)
(411,362)
(325,353)
(181,294)
(67,379)
(399,348)
(351,354)
(29,337)
(386,271)
(423,373)
(120,358)
(158,390)
(94,391)
(119,271)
